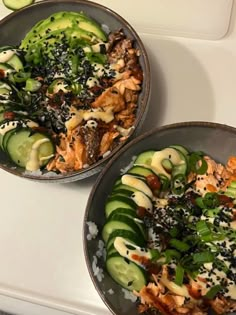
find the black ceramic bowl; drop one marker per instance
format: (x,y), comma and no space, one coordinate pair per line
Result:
(15,26)
(218,141)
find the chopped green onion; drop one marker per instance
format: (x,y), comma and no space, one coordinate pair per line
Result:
(203,228)
(213,292)
(170,254)
(211,212)
(197,164)
(220,265)
(179,245)
(32,85)
(74,64)
(199,202)
(174,231)
(203,257)
(155,254)
(178,184)
(211,200)
(206,234)
(179,275)
(21,76)
(96,57)
(165,183)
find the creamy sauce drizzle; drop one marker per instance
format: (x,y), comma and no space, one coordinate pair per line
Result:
(34,162)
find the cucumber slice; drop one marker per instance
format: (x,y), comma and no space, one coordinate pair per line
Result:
(5,126)
(115,202)
(111,250)
(117,182)
(138,183)
(1,119)
(5,139)
(140,170)
(122,192)
(16,63)
(119,222)
(144,158)
(129,212)
(126,273)
(181,149)
(17,4)
(24,147)
(6,53)
(6,68)
(128,235)
(124,187)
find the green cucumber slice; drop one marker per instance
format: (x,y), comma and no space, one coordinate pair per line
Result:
(17,4)
(120,222)
(126,273)
(7,68)
(124,187)
(122,192)
(144,158)
(124,211)
(128,235)
(20,147)
(141,171)
(5,139)
(115,202)
(181,149)
(16,63)
(111,250)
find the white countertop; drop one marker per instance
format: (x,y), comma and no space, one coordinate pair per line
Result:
(42,261)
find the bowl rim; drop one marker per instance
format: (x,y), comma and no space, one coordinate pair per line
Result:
(143,106)
(133,142)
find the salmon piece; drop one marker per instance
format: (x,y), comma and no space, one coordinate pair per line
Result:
(107,141)
(70,154)
(131,83)
(231,164)
(222,306)
(212,180)
(110,97)
(127,116)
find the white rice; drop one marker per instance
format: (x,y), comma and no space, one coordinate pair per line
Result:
(98,272)
(40,173)
(92,230)
(101,252)
(110,291)
(106,153)
(128,295)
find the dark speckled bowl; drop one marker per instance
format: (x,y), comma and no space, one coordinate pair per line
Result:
(219,141)
(15,26)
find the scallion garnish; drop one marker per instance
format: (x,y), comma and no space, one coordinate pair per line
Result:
(178,184)
(179,275)
(165,183)
(179,245)
(203,257)
(197,164)
(170,254)
(213,292)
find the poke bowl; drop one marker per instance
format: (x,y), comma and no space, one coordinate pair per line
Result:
(160,223)
(74,88)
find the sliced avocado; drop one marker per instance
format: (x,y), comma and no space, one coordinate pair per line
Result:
(88,24)
(62,21)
